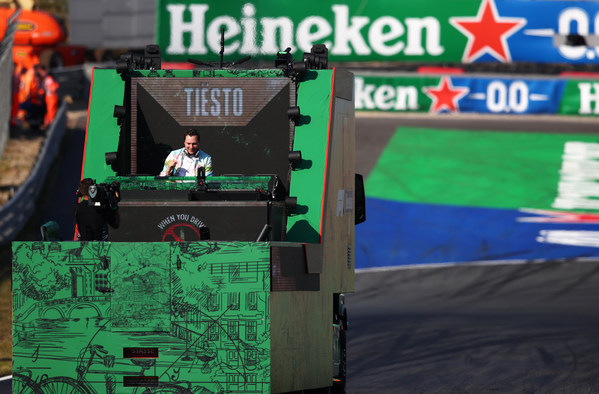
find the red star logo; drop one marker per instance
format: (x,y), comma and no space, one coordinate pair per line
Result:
(487,33)
(445,96)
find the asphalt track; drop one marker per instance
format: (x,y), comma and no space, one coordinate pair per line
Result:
(526,328)
(514,328)
(521,328)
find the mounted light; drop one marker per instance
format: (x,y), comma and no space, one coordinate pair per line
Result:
(295,156)
(119,113)
(112,159)
(318,57)
(292,69)
(290,203)
(121,66)
(293,113)
(300,68)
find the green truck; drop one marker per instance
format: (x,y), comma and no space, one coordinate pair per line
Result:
(231,282)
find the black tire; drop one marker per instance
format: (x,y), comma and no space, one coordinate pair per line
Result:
(340,380)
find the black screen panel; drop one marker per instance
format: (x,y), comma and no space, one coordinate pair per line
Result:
(248,133)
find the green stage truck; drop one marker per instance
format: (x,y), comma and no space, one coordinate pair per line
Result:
(229,283)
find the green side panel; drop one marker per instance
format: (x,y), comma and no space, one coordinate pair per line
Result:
(471,168)
(134,280)
(198,317)
(311,134)
(102,135)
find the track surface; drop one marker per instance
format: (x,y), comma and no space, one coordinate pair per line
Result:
(463,329)
(530,328)
(527,328)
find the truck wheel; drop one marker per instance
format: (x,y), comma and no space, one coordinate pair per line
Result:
(341,378)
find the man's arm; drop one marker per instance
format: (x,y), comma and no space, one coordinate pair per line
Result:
(169,164)
(208,166)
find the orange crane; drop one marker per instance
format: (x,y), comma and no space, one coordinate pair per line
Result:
(40,38)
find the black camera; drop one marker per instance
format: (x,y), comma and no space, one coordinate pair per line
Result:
(104,194)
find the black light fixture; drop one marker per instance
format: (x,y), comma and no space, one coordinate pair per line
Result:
(120,111)
(291,203)
(151,59)
(112,159)
(318,57)
(283,59)
(299,68)
(293,70)
(293,113)
(121,66)
(134,60)
(295,156)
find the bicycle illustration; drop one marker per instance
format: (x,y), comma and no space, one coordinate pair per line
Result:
(65,384)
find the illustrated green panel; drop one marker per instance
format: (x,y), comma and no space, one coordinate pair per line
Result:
(134,281)
(141,317)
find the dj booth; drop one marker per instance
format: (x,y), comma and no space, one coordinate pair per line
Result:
(225,208)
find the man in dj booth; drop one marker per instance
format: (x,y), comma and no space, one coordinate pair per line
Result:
(187,160)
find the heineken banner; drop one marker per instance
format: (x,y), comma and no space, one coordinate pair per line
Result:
(465,31)
(492,95)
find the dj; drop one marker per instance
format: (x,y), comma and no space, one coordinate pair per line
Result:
(187,160)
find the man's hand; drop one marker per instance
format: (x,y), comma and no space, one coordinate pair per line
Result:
(171,166)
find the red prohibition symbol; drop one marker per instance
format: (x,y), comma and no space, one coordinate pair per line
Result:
(180,232)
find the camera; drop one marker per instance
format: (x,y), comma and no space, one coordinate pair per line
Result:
(104,194)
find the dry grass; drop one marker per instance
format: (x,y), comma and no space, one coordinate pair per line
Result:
(5,327)
(17,160)
(15,166)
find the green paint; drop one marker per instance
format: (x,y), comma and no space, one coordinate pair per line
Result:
(471,168)
(132,280)
(314,100)
(103,132)
(204,306)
